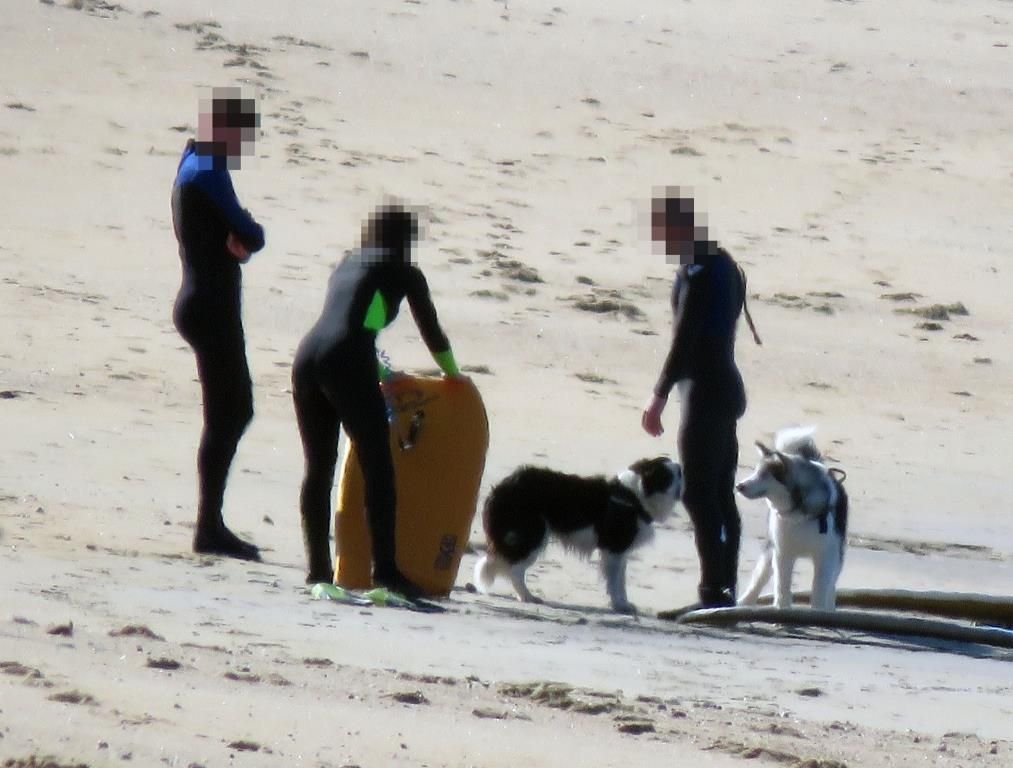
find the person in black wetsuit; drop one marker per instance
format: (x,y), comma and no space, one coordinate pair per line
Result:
(215,236)
(335,381)
(707,298)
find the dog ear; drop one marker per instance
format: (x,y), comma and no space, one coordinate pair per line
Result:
(763,450)
(779,466)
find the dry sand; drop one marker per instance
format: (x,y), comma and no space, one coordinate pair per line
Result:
(845,151)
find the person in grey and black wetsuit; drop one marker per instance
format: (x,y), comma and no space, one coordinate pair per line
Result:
(335,381)
(215,236)
(707,298)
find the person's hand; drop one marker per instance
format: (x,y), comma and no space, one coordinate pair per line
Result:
(236,248)
(650,420)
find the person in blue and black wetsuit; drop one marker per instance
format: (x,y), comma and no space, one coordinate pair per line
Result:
(707,298)
(335,381)
(216,235)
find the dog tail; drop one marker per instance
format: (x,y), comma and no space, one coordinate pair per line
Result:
(798,441)
(487,568)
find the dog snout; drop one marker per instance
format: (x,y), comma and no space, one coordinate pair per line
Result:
(748,488)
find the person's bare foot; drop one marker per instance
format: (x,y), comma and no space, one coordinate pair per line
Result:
(225,543)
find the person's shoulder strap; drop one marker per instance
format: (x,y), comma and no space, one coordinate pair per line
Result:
(746,307)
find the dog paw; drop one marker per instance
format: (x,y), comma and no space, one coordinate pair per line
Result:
(530,599)
(627,608)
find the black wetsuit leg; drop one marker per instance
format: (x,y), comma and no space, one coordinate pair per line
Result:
(730,517)
(342,388)
(318,427)
(708,450)
(227,389)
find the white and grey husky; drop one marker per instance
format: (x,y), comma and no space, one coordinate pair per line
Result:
(808,518)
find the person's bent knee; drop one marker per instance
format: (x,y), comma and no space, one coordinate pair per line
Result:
(245,415)
(234,419)
(697,499)
(240,414)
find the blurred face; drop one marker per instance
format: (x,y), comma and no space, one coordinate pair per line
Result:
(678,240)
(230,138)
(231,141)
(394,228)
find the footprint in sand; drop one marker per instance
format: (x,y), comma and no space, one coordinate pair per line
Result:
(209,38)
(243,677)
(99,8)
(317,662)
(512,269)
(607,302)
(793,301)
(62,630)
(135,630)
(594,378)
(298,42)
(634,726)
(936,312)
(29,675)
(163,663)
(243,745)
(483,713)
(925,548)
(485,293)
(73,697)
(414,698)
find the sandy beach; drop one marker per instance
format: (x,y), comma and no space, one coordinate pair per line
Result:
(852,156)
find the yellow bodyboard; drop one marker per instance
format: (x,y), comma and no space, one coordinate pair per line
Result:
(439,435)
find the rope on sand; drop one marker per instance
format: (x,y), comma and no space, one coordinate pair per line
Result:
(862,621)
(972,606)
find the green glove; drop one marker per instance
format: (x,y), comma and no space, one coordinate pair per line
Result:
(447,362)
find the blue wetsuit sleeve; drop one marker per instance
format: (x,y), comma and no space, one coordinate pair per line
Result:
(217,185)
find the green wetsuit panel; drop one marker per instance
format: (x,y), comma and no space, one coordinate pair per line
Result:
(376,314)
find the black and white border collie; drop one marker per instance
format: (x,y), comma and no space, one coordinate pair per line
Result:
(808,518)
(614,515)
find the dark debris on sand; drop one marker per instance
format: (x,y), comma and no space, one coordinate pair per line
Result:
(609,303)
(36,761)
(135,630)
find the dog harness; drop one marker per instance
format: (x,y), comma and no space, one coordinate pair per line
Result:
(798,503)
(624,498)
